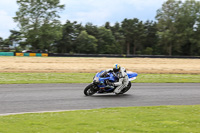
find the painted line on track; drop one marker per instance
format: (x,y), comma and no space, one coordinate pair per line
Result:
(38,112)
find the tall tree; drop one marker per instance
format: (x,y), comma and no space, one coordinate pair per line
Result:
(167,17)
(107,25)
(197,35)
(15,37)
(34,14)
(127,31)
(119,37)
(49,35)
(106,42)
(86,43)
(138,38)
(177,23)
(133,30)
(91,29)
(1,43)
(70,32)
(6,44)
(187,26)
(150,39)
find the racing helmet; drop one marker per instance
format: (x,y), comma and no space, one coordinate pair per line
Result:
(116,68)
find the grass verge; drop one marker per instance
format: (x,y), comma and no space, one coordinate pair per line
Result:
(168,119)
(28,78)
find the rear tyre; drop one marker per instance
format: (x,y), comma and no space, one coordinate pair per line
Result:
(126,89)
(90,90)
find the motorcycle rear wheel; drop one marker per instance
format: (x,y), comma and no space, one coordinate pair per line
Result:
(126,89)
(90,90)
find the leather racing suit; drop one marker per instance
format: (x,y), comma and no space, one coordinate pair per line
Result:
(123,79)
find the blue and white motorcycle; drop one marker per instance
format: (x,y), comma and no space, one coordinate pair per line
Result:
(100,86)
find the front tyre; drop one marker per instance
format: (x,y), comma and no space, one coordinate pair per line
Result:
(126,89)
(90,90)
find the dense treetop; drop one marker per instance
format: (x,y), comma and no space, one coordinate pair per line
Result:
(176,31)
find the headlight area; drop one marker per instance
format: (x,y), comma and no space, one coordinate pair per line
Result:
(95,80)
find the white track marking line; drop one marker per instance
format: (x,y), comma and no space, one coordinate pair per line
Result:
(37,112)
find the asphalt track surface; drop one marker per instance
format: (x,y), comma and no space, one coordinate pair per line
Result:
(20,98)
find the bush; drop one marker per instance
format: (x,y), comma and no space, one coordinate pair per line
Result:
(148,51)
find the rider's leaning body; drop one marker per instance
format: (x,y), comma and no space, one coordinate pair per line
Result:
(120,73)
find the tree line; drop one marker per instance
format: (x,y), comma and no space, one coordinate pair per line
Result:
(176,31)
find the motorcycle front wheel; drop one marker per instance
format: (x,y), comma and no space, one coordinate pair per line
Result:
(90,90)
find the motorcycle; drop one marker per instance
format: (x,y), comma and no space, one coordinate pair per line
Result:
(100,86)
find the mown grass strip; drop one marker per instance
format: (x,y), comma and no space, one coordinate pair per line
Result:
(29,78)
(165,119)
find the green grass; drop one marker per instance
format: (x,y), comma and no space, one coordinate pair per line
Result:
(28,78)
(168,78)
(156,119)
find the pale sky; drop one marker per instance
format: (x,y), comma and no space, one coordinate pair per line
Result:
(95,11)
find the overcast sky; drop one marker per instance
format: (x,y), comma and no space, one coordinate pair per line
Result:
(95,11)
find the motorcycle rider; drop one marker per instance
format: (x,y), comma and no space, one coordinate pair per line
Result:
(120,73)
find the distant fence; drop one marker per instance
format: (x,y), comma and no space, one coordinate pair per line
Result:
(92,55)
(23,54)
(119,56)
(32,54)
(6,53)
